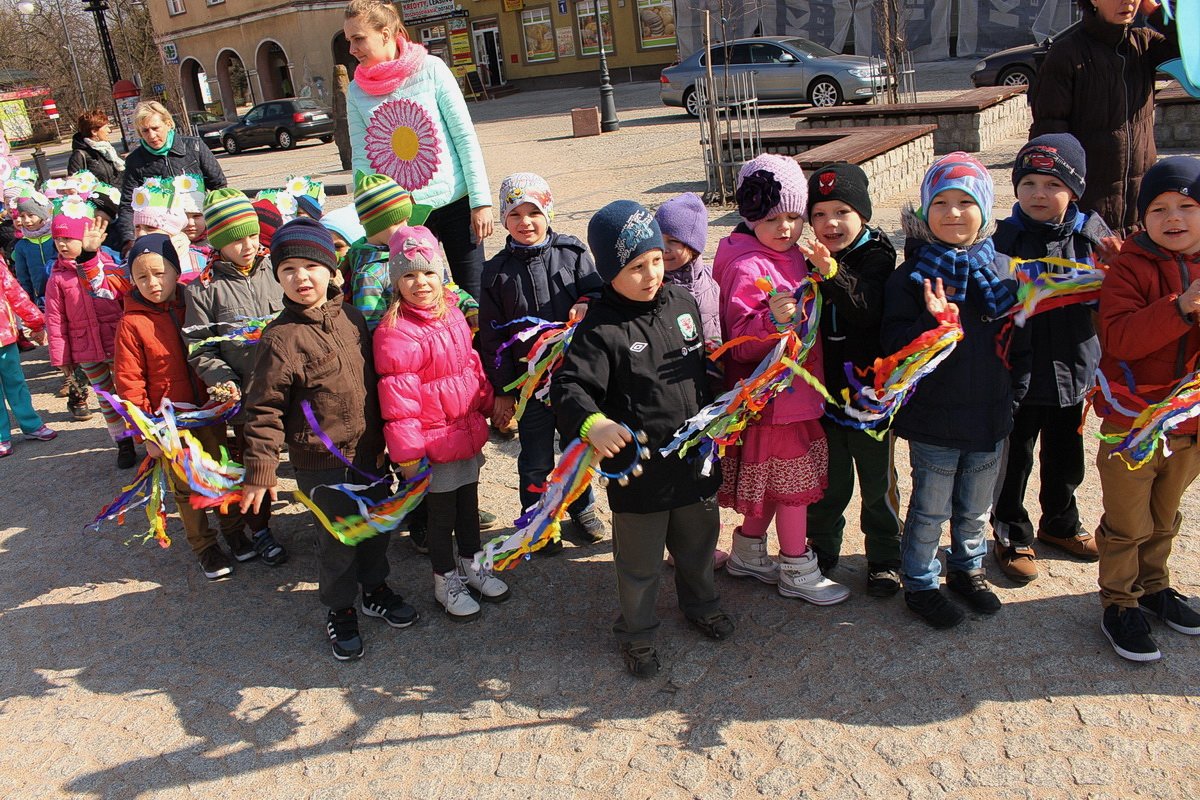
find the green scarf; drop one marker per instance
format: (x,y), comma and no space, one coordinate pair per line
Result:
(162,151)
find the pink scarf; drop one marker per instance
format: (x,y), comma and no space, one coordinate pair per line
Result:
(383,78)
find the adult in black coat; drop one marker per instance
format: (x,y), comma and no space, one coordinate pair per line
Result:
(91,150)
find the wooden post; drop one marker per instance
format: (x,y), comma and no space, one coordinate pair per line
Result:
(341,127)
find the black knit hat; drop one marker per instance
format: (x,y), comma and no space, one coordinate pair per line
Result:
(1175,174)
(845,182)
(303,238)
(1057,154)
(160,245)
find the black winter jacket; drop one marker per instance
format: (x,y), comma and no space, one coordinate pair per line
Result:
(517,282)
(84,156)
(641,364)
(187,155)
(1065,348)
(853,308)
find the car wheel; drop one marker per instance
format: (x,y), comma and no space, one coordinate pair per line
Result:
(231,146)
(691,103)
(326,139)
(283,138)
(824,92)
(1016,76)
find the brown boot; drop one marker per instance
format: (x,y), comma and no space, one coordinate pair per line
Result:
(1018,562)
(1082,545)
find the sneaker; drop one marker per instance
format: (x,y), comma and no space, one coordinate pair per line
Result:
(342,627)
(1018,562)
(5,449)
(240,547)
(215,563)
(749,559)
(1129,634)
(883,579)
(800,577)
(80,413)
(641,659)
(417,536)
(716,625)
(126,454)
(1172,608)
(269,550)
(972,586)
(933,607)
(482,582)
(826,561)
(42,434)
(590,526)
(451,592)
(384,604)
(1082,545)
(487,521)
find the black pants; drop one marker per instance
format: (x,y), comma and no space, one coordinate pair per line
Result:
(451,224)
(453,517)
(1061,473)
(257,520)
(342,568)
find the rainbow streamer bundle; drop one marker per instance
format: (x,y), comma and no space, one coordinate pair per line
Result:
(1153,423)
(874,405)
(372,518)
(247,330)
(720,424)
(1079,283)
(148,489)
(545,356)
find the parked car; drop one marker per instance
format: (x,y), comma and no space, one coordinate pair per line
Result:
(209,128)
(787,69)
(1015,66)
(279,124)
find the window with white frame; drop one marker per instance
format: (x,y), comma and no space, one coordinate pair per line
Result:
(539,35)
(175,7)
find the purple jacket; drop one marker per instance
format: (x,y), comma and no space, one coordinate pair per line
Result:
(81,326)
(697,278)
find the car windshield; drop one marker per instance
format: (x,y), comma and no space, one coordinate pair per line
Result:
(201,117)
(307,105)
(806,46)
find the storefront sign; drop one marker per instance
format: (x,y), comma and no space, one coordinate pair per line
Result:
(460,44)
(14,120)
(514,5)
(416,10)
(566,42)
(170,53)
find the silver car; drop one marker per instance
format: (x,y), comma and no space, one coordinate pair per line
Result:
(787,69)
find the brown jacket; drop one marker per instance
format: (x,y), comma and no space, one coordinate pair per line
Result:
(322,355)
(1097,83)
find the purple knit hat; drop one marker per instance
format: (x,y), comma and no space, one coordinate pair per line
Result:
(684,218)
(768,185)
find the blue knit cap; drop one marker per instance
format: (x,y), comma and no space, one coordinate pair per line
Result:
(959,171)
(619,233)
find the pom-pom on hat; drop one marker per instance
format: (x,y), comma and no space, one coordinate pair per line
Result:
(381,203)
(845,182)
(684,218)
(768,185)
(71,216)
(303,238)
(619,233)
(958,170)
(525,187)
(269,220)
(1175,174)
(228,216)
(414,248)
(1057,154)
(158,244)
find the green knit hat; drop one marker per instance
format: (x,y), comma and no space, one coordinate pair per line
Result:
(228,216)
(381,203)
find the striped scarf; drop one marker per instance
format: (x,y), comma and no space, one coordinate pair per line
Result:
(957,268)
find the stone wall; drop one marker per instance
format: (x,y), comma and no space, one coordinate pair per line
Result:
(1177,124)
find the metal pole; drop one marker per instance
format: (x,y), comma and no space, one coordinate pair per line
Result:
(97,8)
(71,49)
(608,108)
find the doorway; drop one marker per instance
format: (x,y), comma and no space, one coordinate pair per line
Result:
(488,55)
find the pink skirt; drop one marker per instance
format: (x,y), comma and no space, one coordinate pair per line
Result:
(775,464)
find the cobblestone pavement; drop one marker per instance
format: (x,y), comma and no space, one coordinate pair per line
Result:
(126,674)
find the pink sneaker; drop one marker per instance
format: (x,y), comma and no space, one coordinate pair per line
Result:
(5,449)
(42,434)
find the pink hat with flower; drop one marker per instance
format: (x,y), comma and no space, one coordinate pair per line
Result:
(769,185)
(71,217)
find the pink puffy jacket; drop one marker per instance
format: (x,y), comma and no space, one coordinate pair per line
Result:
(14,305)
(81,326)
(432,389)
(741,260)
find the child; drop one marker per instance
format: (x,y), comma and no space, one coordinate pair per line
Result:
(779,467)
(958,416)
(81,323)
(1048,177)
(150,364)
(14,304)
(191,202)
(238,284)
(1149,309)
(156,209)
(637,363)
(383,208)
(34,253)
(542,274)
(435,397)
(839,210)
(346,229)
(683,221)
(269,220)
(318,349)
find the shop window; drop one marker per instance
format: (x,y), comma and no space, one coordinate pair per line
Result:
(175,7)
(539,35)
(656,23)
(589,34)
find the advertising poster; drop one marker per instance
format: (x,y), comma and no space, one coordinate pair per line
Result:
(566,42)
(539,35)
(15,121)
(656,23)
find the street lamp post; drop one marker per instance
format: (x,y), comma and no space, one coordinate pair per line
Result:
(27,7)
(608,108)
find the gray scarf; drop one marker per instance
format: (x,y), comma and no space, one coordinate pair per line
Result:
(105,149)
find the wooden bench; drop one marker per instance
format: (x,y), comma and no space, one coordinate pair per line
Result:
(973,120)
(1176,118)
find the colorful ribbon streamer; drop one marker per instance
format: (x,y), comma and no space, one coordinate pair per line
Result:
(246,330)
(1078,283)
(148,489)
(1153,423)
(544,358)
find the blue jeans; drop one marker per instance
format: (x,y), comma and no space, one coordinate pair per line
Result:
(536,428)
(16,393)
(947,484)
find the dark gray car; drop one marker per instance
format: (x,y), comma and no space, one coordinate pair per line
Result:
(279,124)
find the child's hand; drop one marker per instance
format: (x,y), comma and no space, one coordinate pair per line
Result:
(409,471)
(252,497)
(1148,7)
(153,450)
(577,312)
(783,307)
(1189,301)
(225,391)
(608,437)
(1108,249)
(819,256)
(94,233)
(503,410)
(935,299)
(38,337)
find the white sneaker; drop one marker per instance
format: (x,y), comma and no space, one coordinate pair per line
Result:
(801,577)
(490,588)
(451,592)
(749,559)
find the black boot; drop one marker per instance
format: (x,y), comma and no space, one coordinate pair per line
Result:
(126,455)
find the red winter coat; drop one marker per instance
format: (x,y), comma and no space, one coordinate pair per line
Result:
(150,362)
(14,304)
(1141,328)
(432,389)
(81,326)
